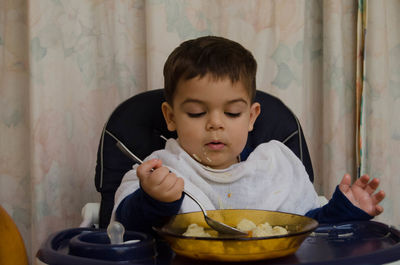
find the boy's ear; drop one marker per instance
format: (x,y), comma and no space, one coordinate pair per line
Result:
(255,110)
(168,116)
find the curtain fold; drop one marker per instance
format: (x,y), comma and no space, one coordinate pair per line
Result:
(337,127)
(15,177)
(66,64)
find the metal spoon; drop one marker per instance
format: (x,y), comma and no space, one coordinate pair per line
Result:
(218,226)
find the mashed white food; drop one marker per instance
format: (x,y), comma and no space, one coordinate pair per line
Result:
(196,230)
(266,229)
(245,225)
(261,230)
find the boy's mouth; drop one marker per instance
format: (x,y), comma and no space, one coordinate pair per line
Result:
(215,145)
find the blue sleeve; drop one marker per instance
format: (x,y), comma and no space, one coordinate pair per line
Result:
(338,209)
(140,212)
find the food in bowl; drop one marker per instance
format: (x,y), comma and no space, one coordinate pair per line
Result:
(196,230)
(261,230)
(245,225)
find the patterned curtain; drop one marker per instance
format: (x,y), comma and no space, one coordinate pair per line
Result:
(66,64)
(380,123)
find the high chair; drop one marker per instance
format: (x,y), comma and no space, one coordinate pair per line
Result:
(138,123)
(12,248)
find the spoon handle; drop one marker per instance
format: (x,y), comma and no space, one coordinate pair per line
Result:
(128,152)
(196,201)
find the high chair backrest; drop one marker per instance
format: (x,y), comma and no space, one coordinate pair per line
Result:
(139,124)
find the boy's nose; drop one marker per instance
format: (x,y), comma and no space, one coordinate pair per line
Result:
(214,122)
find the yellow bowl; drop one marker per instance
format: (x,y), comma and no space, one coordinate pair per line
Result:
(225,248)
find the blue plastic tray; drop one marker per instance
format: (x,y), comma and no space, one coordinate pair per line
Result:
(346,243)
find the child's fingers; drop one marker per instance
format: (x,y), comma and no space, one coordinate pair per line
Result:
(362,182)
(178,188)
(378,210)
(146,168)
(372,186)
(378,197)
(174,189)
(345,183)
(168,188)
(157,163)
(168,182)
(156,178)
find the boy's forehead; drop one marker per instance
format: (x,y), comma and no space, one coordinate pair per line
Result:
(198,88)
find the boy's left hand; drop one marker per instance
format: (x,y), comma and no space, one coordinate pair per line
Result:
(362,193)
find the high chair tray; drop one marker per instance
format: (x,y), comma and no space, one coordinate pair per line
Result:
(346,243)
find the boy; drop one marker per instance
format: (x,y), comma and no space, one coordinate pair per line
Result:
(209,89)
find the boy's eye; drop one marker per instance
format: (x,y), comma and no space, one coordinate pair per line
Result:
(195,115)
(233,114)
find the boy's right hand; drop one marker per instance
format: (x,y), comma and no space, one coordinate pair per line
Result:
(158,182)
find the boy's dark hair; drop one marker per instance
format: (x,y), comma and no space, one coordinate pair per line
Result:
(213,55)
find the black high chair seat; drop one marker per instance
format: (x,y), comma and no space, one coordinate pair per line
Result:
(139,124)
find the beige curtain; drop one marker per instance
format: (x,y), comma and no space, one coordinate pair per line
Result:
(381,124)
(66,64)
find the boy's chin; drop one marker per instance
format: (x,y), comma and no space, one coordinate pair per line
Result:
(219,165)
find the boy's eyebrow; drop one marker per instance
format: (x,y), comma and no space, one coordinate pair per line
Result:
(191,100)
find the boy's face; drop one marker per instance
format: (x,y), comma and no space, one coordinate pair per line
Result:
(212,119)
